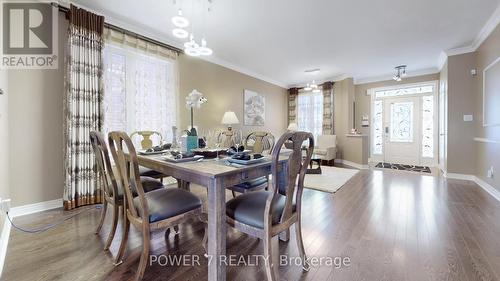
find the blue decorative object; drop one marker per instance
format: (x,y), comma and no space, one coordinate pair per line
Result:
(192,143)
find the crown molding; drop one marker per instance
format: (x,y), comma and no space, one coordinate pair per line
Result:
(442,60)
(387,77)
(216,60)
(487,29)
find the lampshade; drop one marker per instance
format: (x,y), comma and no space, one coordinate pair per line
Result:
(293,127)
(229,118)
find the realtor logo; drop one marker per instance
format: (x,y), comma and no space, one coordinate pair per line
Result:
(29,35)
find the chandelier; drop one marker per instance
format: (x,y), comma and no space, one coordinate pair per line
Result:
(400,73)
(181,23)
(313,86)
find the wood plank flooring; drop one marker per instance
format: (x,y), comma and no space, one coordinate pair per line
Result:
(391,225)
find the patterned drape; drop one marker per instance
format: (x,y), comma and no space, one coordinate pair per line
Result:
(83,107)
(292,105)
(328,108)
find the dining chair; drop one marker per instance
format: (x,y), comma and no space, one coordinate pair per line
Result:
(258,142)
(147,143)
(113,194)
(265,214)
(158,209)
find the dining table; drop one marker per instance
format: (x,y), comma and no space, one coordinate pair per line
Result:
(216,175)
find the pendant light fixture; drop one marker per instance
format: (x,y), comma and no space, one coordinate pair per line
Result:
(191,47)
(179,20)
(400,73)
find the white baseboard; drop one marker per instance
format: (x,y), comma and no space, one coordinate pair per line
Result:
(459,176)
(35,208)
(4,241)
(484,185)
(352,164)
(488,188)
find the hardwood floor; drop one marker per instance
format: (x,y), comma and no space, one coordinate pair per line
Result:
(391,225)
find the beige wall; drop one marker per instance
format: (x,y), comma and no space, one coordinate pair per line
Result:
(36,107)
(4,136)
(4,143)
(462,96)
(35,131)
(343,113)
(224,90)
(488,154)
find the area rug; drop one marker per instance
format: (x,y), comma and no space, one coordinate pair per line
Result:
(330,180)
(401,167)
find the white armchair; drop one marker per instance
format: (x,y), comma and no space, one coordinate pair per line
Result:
(326,147)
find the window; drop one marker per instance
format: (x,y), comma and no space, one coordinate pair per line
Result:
(139,92)
(402,122)
(428,126)
(310,112)
(378,137)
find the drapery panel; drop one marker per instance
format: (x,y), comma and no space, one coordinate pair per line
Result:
(82,107)
(292,105)
(328,128)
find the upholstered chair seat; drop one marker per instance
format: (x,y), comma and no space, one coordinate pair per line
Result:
(146,172)
(249,208)
(251,184)
(168,202)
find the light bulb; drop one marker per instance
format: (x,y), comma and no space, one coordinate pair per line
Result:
(180,20)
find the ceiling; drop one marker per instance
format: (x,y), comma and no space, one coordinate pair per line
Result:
(277,40)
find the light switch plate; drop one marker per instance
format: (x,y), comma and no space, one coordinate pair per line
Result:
(468,118)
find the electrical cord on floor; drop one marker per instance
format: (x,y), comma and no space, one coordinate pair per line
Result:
(49,226)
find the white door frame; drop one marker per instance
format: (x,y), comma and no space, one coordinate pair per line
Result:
(433,162)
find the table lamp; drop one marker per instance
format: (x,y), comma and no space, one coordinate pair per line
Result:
(229,119)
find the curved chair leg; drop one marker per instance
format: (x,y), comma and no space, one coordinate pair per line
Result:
(146,236)
(123,243)
(300,245)
(103,215)
(268,251)
(234,193)
(116,215)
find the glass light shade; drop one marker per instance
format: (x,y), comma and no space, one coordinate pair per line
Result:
(191,44)
(194,52)
(205,51)
(180,20)
(229,118)
(307,87)
(180,33)
(316,90)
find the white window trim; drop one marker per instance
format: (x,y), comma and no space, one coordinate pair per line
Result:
(433,162)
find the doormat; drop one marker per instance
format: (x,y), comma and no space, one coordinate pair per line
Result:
(421,169)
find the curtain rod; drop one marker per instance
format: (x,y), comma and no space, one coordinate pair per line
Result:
(65,10)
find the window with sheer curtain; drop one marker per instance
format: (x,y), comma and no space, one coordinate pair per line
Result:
(139,92)
(310,112)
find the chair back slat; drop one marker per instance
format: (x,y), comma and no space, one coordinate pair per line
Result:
(262,141)
(104,164)
(290,183)
(146,141)
(128,165)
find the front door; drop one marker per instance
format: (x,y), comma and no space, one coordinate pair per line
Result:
(401,130)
